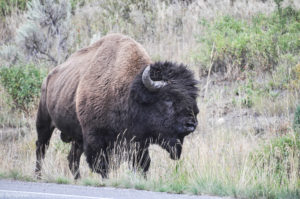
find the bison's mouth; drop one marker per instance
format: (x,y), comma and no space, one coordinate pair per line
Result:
(189,127)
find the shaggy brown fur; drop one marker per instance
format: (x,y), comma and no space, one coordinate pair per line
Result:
(95,95)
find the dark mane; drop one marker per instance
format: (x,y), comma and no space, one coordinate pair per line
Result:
(179,78)
(181,83)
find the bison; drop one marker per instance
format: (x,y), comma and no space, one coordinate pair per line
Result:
(110,88)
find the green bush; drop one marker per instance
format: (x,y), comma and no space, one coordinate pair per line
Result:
(22,83)
(240,45)
(7,6)
(280,158)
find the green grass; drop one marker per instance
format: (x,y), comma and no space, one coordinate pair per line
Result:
(62,180)
(211,186)
(16,175)
(91,182)
(240,45)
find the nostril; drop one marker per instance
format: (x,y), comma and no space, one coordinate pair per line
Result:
(190,124)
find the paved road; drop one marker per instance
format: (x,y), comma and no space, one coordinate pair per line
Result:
(10,189)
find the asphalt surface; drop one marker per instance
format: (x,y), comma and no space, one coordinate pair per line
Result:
(10,189)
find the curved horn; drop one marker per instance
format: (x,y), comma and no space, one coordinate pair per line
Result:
(149,83)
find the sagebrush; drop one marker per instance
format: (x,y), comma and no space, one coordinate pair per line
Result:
(22,83)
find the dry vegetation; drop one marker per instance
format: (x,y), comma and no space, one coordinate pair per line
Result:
(244,146)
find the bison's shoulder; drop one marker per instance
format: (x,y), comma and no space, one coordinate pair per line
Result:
(116,61)
(113,61)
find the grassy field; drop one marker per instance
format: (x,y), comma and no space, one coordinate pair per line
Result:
(246,55)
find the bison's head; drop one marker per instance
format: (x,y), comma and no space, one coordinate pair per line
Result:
(165,108)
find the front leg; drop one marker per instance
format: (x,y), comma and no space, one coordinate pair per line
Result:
(96,153)
(141,160)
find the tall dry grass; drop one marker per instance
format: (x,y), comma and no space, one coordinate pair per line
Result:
(217,159)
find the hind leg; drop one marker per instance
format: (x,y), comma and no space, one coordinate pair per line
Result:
(74,158)
(44,132)
(42,144)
